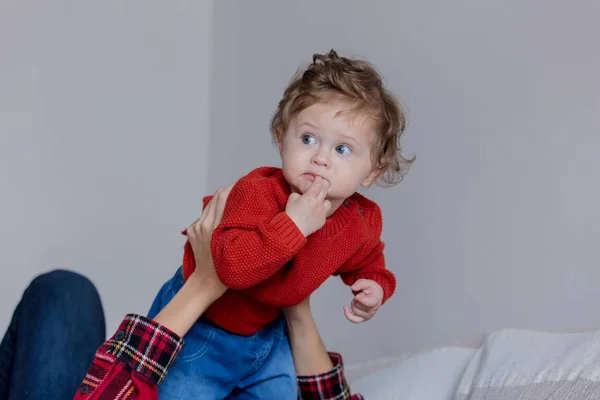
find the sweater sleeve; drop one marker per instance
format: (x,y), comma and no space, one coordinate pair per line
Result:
(255,238)
(369,261)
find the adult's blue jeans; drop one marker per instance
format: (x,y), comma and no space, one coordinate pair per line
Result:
(52,338)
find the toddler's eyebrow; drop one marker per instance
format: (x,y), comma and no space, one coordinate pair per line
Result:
(308,124)
(349,138)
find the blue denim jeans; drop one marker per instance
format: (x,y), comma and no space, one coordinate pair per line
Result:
(52,338)
(216,364)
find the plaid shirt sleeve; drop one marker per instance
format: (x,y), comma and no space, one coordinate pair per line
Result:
(132,363)
(135,360)
(327,386)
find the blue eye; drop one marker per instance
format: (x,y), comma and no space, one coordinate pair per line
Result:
(343,150)
(308,139)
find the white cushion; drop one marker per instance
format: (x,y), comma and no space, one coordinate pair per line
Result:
(430,375)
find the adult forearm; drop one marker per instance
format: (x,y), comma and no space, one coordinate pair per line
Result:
(188,305)
(308,350)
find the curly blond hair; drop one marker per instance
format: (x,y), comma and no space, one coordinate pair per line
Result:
(330,77)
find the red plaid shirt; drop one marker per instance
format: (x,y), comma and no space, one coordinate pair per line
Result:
(135,360)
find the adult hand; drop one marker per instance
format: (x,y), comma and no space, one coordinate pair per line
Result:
(203,286)
(199,234)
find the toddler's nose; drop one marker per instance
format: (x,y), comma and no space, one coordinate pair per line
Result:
(321,159)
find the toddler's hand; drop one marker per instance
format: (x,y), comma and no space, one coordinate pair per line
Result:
(366,302)
(309,211)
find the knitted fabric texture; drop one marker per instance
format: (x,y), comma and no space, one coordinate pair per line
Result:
(261,255)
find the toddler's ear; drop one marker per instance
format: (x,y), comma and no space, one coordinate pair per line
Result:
(375,173)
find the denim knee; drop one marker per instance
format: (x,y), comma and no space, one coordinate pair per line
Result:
(64,290)
(60,281)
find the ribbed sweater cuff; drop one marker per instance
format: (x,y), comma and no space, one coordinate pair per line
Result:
(287,231)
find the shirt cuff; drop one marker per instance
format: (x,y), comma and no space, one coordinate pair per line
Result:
(145,346)
(327,386)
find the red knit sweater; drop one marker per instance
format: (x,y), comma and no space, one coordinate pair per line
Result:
(261,255)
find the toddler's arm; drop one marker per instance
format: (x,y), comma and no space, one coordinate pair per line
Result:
(369,261)
(255,238)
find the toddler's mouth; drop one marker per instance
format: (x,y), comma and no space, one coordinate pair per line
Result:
(311,177)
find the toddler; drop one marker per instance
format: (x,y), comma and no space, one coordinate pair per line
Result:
(286,230)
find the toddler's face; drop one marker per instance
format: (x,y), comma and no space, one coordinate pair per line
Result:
(327,140)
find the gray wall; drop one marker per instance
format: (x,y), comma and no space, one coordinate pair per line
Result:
(105,110)
(497,224)
(103,142)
